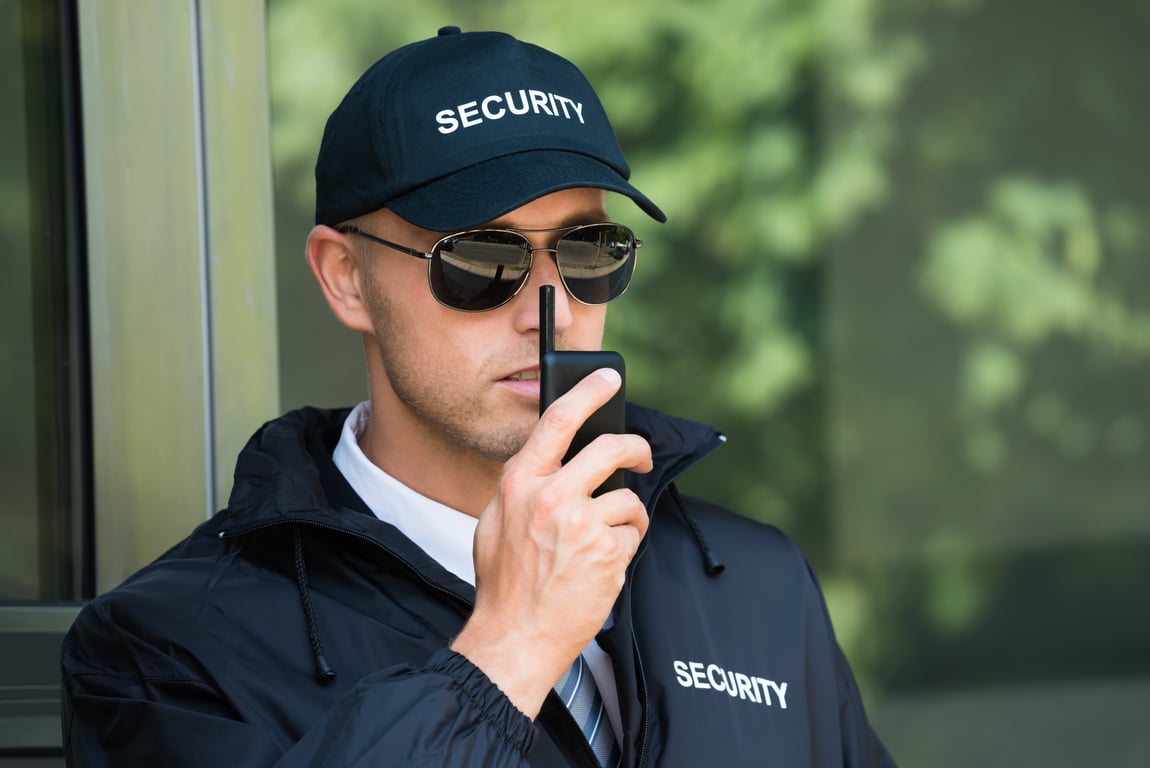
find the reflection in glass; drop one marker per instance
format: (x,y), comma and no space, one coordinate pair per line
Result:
(41,352)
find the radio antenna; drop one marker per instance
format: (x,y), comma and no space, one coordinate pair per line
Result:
(546,319)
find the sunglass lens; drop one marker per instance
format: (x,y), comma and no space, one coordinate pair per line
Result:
(597,261)
(479,270)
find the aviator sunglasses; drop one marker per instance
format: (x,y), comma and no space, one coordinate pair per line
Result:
(481,269)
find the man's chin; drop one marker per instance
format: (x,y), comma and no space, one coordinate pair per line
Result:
(500,444)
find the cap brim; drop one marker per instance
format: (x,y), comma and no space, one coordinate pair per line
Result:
(483,192)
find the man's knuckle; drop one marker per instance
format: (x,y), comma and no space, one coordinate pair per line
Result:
(513,481)
(550,497)
(559,417)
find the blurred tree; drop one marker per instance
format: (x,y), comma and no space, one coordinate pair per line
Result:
(989,337)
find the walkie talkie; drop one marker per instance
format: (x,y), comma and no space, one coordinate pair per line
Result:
(561,370)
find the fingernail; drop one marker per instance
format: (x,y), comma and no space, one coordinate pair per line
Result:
(610,374)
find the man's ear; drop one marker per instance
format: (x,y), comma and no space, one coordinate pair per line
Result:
(335,265)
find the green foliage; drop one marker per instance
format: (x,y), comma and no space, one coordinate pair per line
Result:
(1028,270)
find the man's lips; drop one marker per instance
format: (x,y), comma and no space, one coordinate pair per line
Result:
(528,374)
(524,382)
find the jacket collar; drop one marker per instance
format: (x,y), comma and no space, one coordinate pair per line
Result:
(286,472)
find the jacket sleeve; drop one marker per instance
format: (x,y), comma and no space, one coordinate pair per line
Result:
(861,747)
(447,713)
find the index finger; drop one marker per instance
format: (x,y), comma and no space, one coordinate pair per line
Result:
(557,427)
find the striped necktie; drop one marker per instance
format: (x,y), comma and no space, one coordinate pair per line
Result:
(578,690)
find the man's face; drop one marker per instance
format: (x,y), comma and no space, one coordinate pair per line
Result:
(453,384)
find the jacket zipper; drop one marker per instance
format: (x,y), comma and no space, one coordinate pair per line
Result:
(698,456)
(434,585)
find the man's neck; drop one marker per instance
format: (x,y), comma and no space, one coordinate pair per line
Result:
(429,463)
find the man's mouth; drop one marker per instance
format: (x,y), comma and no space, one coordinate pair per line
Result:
(532,375)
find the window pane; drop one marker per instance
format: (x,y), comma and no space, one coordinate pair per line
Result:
(990,362)
(41,488)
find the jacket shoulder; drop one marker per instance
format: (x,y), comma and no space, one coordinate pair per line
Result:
(159,621)
(115,630)
(732,537)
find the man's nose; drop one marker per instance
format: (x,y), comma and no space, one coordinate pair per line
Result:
(544,271)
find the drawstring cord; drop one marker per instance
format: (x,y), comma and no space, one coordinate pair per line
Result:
(712,566)
(323,671)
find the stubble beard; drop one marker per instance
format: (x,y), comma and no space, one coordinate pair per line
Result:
(450,416)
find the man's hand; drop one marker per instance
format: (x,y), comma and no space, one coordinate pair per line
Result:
(550,560)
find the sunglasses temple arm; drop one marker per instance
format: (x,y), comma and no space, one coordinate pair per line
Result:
(546,320)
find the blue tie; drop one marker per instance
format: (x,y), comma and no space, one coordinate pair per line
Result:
(578,690)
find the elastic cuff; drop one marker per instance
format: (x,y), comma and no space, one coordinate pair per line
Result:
(491,703)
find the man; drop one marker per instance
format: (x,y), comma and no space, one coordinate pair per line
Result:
(422,580)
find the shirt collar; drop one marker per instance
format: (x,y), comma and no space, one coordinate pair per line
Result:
(446,534)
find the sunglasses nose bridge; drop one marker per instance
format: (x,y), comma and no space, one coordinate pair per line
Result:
(532,250)
(553,276)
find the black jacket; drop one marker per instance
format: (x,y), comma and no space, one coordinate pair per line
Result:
(221,652)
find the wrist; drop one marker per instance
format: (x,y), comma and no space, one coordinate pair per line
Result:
(483,699)
(523,668)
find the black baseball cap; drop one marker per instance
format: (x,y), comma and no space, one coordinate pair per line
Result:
(459,129)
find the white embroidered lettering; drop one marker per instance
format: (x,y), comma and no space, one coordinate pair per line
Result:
(711,677)
(447,121)
(722,684)
(469,114)
(780,691)
(539,102)
(489,113)
(755,690)
(523,108)
(744,686)
(498,106)
(697,675)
